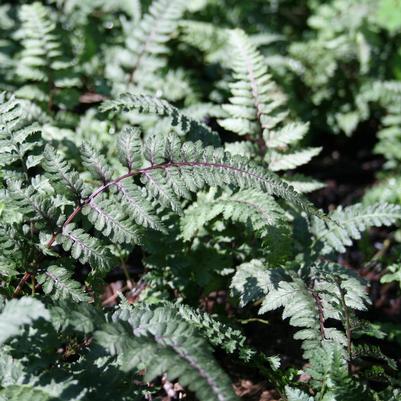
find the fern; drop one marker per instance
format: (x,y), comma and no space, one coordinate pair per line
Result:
(143,55)
(18,139)
(56,280)
(135,332)
(41,64)
(348,223)
(217,333)
(249,207)
(255,109)
(149,233)
(194,129)
(185,356)
(83,247)
(308,298)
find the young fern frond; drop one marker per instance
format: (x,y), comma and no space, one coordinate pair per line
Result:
(144,104)
(347,224)
(41,66)
(255,109)
(145,50)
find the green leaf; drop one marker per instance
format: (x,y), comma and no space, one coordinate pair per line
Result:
(18,313)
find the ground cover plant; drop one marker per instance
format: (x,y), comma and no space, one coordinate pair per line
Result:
(199,199)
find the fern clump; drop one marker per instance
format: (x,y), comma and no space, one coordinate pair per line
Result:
(162,235)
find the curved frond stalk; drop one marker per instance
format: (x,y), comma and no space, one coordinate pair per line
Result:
(182,168)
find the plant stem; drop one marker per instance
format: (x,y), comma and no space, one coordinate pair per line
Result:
(22,282)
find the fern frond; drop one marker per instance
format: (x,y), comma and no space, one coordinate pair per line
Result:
(207,37)
(308,299)
(255,96)
(61,171)
(111,220)
(40,46)
(249,207)
(329,373)
(84,248)
(146,47)
(41,63)
(145,104)
(95,162)
(20,392)
(57,280)
(34,205)
(347,224)
(148,42)
(138,206)
(289,161)
(218,333)
(303,184)
(295,394)
(255,108)
(20,312)
(18,141)
(129,148)
(164,343)
(289,134)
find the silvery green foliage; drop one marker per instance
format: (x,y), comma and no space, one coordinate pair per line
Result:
(256,108)
(308,296)
(346,225)
(139,62)
(92,212)
(88,191)
(156,340)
